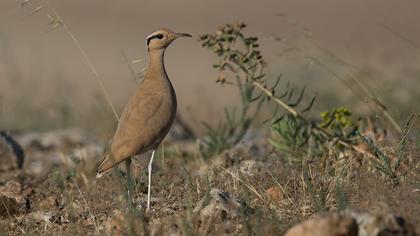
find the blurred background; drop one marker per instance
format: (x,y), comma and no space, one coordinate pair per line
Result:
(45,82)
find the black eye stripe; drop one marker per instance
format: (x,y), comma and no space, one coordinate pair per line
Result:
(157,36)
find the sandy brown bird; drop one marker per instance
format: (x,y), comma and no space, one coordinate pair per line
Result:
(148,116)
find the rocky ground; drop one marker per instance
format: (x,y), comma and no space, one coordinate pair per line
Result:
(250,189)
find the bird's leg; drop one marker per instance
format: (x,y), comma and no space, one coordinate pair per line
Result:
(129,179)
(150,180)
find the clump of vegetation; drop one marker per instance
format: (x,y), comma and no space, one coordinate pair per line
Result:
(338,122)
(290,134)
(389,162)
(239,57)
(239,54)
(296,134)
(293,133)
(240,63)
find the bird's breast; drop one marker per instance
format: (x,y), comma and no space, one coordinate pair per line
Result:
(161,88)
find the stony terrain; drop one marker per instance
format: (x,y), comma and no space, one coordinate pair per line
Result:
(249,189)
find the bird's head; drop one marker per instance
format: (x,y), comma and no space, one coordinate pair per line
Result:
(161,39)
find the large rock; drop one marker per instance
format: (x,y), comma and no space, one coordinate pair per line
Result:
(328,225)
(351,222)
(219,212)
(380,224)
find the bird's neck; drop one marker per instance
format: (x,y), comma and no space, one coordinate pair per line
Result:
(156,62)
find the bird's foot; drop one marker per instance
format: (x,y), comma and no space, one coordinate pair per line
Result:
(142,205)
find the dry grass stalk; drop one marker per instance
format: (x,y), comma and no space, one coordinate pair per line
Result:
(57,21)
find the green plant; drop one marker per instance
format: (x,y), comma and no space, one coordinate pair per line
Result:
(239,54)
(325,191)
(319,196)
(289,134)
(296,134)
(384,162)
(340,197)
(338,122)
(240,58)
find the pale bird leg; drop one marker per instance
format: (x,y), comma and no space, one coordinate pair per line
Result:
(150,180)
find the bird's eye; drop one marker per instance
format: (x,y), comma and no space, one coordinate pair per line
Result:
(156,36)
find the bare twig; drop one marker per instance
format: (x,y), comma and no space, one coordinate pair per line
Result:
(57,21)
(400,36)
(91,66)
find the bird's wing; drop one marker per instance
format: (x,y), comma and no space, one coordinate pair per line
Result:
(135,126)
(136,121)
(140,125)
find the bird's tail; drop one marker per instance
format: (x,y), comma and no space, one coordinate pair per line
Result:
(105,166)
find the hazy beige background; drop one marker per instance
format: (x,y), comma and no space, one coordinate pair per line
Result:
(42,72)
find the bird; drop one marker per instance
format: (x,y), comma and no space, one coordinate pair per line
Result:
(149,114)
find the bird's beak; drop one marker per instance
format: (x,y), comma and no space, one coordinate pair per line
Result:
(183,35)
